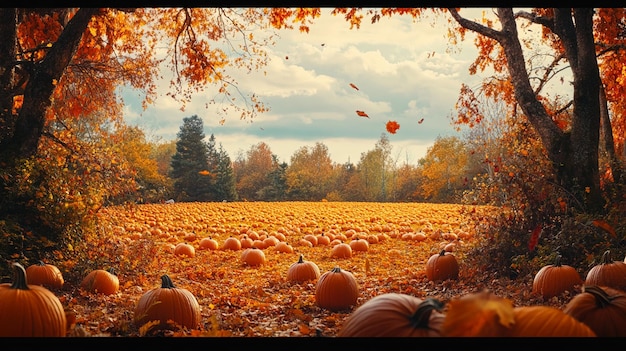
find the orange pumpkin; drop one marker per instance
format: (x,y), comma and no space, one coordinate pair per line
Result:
(45,274)
(168,304)
(484,314)
(341,250)
(208,243)
(184,249)
(442,266)
(336,290)
(303,270)
(395,315)
(253,257)
(283,247)
(553,280)
(608,273)
(359,245)
(603,309)
(231,243)
(101,281)
(29,310)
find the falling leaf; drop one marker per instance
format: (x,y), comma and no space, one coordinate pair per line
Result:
(354,86)
(392,127)
(204,172)
(286,57)
(420,121)
(323,44)
(605,226)
(362,114)
(479,314)
(534,237)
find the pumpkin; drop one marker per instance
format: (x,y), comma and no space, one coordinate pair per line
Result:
(484,314)
(442,266)
(603,309)
(395,315)
(341,250)
(302,271)
(312,238)
(553,280)
(608,273)
(29,310)
(45,274)
(270,241)
(246,242)
(184,249)
(284,247)
(253,257)
(231,243)
(323,240)
(546,321)
(336,290)
(168,304)
(101,281)
(208,243)
(359,245)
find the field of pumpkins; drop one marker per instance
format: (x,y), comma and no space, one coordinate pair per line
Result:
(302,269)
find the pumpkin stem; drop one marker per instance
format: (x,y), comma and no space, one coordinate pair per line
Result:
(301,259)
(557,261)
(442,253)
(419,320)
(336,270)
(606,257)
(166,282)
(603,299)
(19,277)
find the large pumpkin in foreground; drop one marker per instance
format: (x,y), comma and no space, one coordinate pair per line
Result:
(336,290)
(168,303)
(603,309)
(395,315)
(484,314)
(29,310)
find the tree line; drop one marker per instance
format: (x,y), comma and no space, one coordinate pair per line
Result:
(196,168)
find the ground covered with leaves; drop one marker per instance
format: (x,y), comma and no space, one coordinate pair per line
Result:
(237,300)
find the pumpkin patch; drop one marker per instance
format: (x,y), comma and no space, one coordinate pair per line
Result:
(284,294)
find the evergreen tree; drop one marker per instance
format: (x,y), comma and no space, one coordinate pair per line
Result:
(225,177)
(190,168)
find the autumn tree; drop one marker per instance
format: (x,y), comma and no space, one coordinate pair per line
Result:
(152,186)
(443,170)
(252,171)
(376,168)
(192,179)
(309,175)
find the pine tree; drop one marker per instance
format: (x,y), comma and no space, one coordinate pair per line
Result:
(192,179)
(225,177)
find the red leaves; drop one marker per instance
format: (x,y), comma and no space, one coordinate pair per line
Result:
(354,86)
(605,226)
(534,237)
(392,127)
(204,172)
(420,121)
(362,114)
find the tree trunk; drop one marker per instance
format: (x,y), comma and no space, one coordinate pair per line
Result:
(22,138)
(574,154)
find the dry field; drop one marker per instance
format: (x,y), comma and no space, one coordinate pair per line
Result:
(248,301)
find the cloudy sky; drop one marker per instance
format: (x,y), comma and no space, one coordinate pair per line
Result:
(404,70)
